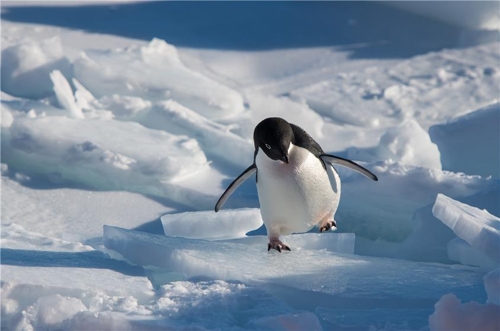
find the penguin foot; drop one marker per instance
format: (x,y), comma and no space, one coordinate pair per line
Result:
(327,226)
(277,245)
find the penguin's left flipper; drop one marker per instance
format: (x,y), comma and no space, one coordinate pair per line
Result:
(349,164)
(234,185)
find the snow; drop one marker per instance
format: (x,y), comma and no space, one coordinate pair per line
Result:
(459,142)
(451,314)
(481,16)
(26,67)
(120,132)
(407,143)
(113,155)
(140,71)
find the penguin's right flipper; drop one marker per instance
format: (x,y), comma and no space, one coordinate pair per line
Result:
(349,164)
(234,185)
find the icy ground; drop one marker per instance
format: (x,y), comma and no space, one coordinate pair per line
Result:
(122,123)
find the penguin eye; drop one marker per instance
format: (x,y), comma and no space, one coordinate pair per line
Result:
(268,146)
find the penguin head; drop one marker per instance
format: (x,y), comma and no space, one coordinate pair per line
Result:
(273,136)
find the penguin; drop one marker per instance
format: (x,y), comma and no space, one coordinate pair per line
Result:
(297,185)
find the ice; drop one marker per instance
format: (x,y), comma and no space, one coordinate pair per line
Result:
(26,67)
(459,250)
(492,286)
(226,224)
(452,315)
(216,139)
(429,88)
(368,208)
(470,143)
(428,240)
(476,227)
(430,237)
(7,118)
(83,97)
(407,143)
(338,287)
(54,214)
(141,71)
(295,111)
(112,155)
(162,251)
(326,271)
(64,95)
(151,119)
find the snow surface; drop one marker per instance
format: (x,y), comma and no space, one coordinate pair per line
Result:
(119,133)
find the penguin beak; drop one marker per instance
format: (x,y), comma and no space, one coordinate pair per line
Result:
(285,158)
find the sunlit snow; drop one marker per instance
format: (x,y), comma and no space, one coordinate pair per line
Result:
(123,122)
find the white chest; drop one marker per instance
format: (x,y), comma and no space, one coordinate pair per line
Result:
(295,197)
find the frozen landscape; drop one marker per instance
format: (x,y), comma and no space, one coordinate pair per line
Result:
(122,123)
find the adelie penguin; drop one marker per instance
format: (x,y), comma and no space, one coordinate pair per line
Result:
(292,174)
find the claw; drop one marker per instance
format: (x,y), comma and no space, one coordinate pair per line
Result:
(277,245)
(327,226)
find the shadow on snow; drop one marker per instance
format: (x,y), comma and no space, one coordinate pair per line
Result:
(91,260)
(367,30)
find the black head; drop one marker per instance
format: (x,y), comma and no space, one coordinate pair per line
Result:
(273,135)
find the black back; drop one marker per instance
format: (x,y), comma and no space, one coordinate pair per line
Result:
(304,140)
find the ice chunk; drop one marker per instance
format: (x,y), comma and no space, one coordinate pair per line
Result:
(428,241)
(226,224)
(6,118)
(155,72)
(459,250)
(470,143)
(64,94)
(430,237)
(216,139)
(162,251)
(335,275)
(407,143)
(478,228)
(103,154)
(452,315)
(26,67)
(83,97)
(384,209)
(492,286)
